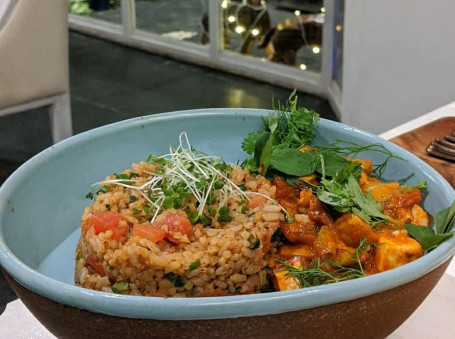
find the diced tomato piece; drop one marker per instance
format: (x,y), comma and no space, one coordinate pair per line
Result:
(175,221)
(165,226)
(97,266)
(256,201)
(148,231)
(105,221)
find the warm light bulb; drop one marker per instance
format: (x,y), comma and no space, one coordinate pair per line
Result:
(316,50)
(231,18)
(240,29)
(302,67)
(224,4)
(255,32)
(297,12)
(338,28)
(322,9)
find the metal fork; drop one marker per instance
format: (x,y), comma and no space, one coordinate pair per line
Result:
(443,148)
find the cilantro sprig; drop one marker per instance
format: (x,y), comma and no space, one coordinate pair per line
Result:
(288,128)
(348,197)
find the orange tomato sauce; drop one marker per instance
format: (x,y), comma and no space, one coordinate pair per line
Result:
(315,233)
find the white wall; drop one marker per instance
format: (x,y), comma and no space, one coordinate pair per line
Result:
(399,61)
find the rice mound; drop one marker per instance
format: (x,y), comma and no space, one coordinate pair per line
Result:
(227,262)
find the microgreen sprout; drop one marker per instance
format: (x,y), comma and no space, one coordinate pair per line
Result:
(182,173)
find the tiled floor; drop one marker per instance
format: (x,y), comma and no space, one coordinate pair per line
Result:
(111,83)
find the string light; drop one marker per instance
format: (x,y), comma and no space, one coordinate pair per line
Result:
(255,32)
(224,4)
(231,18)
(316,50)
(302,67)
(240,29)
(322,9)
(338,28)
(297,12)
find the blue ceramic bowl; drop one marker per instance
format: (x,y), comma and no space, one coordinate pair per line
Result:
(42,202)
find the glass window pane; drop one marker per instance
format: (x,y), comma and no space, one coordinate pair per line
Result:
(177,19)
(108,10)
(288,32)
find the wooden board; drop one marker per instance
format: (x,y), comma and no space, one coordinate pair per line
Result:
(417,141)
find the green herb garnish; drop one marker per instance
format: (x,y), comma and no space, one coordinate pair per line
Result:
(285,131)
(351,149)
(174,279)
(224,214)
(327,272)
(120,286)
(428,238)
(194,265)
(103,189)
(255,242)
(349,197)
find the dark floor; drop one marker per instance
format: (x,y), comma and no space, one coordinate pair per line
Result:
(111,83)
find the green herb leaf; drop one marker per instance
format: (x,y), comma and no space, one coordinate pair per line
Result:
(293,162)
(248,144)
(444,220)
(349,197)
(289,127)
(333,163)
(261,141)
(426,236)
(267,152)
